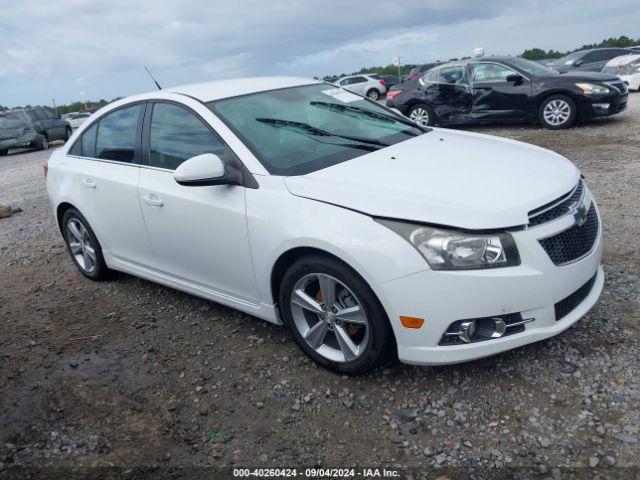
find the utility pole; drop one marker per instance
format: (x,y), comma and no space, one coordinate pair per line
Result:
(396,62)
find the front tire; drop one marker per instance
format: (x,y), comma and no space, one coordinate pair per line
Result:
(422,114)
(83,246)
(333,315)
(373,94)
(3,153)
(558,112)
(43,144)
(67,134)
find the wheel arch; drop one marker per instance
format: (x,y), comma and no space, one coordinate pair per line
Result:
(287,258)
(558,91)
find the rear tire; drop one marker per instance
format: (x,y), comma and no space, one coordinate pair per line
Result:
(3,153)
(422,114)
(355,334)
(558,112)
(373,94)
(83,246)
(67,134)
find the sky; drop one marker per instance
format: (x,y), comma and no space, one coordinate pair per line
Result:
(71,50)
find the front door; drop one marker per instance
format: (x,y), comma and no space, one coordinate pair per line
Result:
(198,233)
(495,98)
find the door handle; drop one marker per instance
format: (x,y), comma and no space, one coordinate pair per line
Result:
(152,200)
(483,89)
(89,183)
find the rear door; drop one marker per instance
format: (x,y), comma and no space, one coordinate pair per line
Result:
(358,85)
(55,126)
(446,90)
(104,167)
(198,233)
(495,98)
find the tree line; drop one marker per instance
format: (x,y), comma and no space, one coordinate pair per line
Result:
(530,54)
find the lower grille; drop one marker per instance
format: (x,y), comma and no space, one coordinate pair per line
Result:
(574,243)
(565,306)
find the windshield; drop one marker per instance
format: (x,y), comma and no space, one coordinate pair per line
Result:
(532,68)
(568,59)
(298,130)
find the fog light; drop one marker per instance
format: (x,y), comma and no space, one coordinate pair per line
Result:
(467,330)
(603,106)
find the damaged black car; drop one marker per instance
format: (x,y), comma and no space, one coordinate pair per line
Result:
(508,90)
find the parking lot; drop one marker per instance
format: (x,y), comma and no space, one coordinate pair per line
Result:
(130,373)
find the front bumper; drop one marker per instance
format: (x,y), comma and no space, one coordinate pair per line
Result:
(531,289)
(23,141)
(603,105)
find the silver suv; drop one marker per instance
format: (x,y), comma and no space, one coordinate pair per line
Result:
(370,84)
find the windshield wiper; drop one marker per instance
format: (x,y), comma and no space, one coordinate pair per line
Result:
(311,130)
(368,113)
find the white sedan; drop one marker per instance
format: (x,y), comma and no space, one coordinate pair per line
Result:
(627,67)
(76,119)
(301,203)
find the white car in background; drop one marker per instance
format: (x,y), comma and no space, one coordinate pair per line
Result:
(627,67)
(301,203)
(77,118)
(370,85)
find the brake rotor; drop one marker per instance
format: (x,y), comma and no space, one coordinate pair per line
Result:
(350,328)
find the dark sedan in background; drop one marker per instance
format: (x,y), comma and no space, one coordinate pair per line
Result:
(592,60)
(507,90)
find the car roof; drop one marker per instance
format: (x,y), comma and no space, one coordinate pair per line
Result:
(216,90)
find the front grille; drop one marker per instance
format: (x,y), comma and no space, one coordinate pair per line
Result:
(620,86)
(565,306)
(557,208)
(573,243)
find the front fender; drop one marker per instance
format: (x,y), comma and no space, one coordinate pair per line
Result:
(278,221)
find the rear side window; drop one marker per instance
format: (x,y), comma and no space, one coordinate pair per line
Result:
(358,80)
(452,75)
(116,138)
(176,135)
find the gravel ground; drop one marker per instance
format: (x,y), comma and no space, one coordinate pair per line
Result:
(127,373)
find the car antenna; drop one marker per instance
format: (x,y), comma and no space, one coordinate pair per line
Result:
(154,80)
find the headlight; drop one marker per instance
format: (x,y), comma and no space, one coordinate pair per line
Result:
(591,88)
(453,250)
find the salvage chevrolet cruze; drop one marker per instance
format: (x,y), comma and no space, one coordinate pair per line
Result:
(301,203)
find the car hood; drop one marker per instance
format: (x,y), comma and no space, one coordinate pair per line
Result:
(581,76)
(456,179)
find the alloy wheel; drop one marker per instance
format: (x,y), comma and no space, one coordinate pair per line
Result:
(45,144)
(80,245)
(374,95)
(556,112)
(420,116)
(329,317)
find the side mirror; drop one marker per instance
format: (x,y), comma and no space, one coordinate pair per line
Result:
(206,169)
(514,78)
(577,63)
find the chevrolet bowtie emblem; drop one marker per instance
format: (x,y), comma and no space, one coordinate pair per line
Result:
(580,215)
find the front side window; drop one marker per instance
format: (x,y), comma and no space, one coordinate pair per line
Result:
(41,115)
(298,130)
(176,135)
(491,72)
(117,134)
(453,75)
